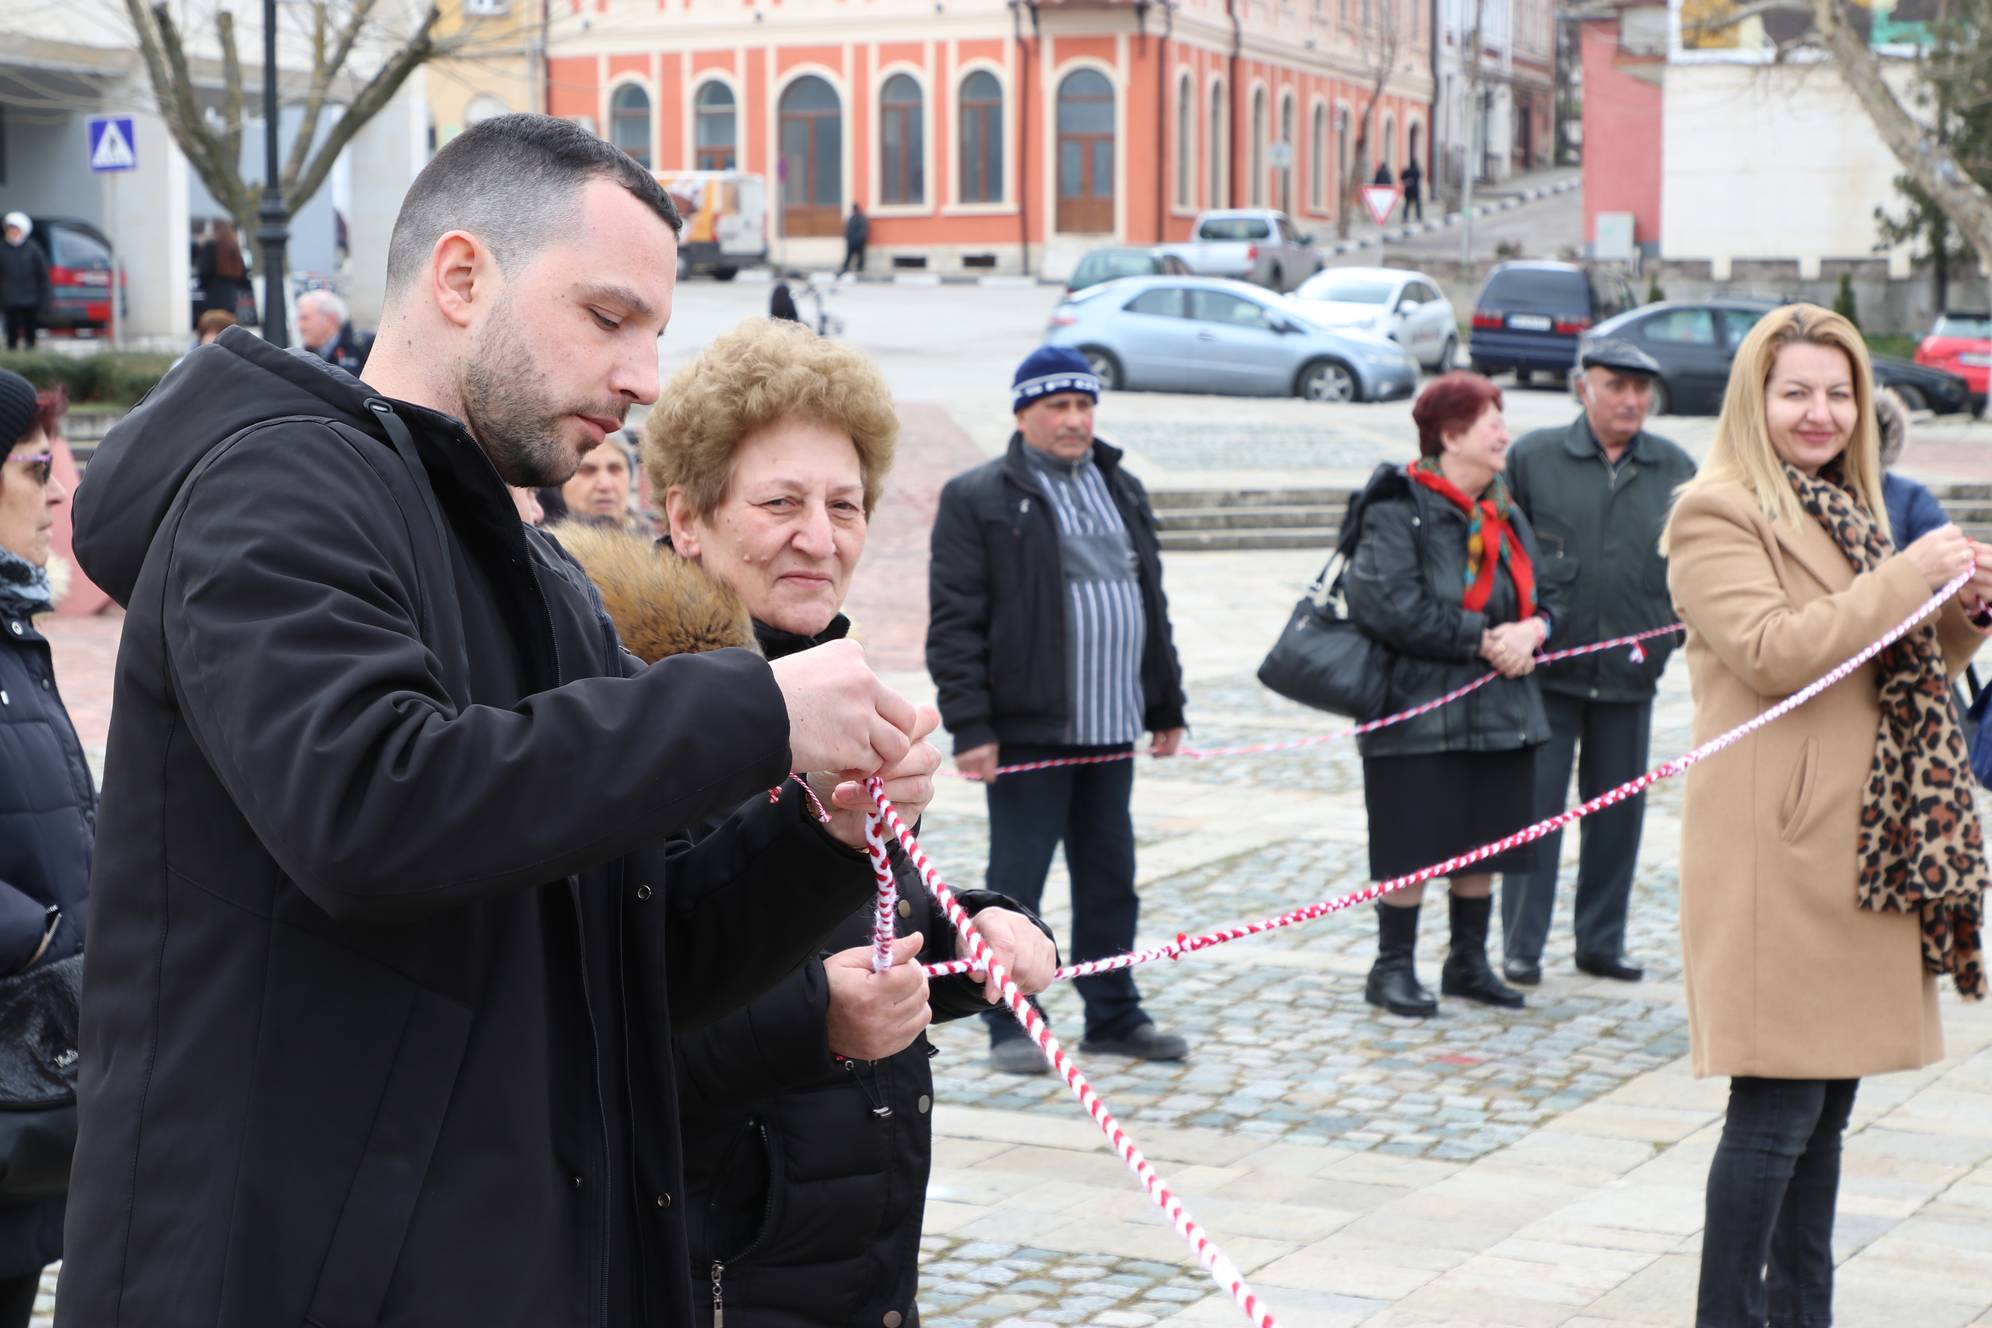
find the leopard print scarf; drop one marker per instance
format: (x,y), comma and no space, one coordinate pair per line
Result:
(1920,844)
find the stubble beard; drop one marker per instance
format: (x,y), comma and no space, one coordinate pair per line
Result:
(507,410)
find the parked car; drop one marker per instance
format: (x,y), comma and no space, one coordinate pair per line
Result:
(1529,316)
(1961,343)
(1390,302)
(1206,334)
(1695,341)
(1259,245)
(79,274)
(1108,264)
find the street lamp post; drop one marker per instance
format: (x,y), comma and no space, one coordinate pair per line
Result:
(274,233)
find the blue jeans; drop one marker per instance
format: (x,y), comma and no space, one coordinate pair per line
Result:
(1086,807)
(1767,1244)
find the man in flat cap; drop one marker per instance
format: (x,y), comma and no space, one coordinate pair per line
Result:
(1597,493)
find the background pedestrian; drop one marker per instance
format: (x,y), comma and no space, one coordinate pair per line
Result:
(1413,180)
(1443,574)
(1817,909)
(857,234)
(1597,493)
(25,288)
(1049,637)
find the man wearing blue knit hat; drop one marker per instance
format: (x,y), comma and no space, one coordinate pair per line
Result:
(1048,637)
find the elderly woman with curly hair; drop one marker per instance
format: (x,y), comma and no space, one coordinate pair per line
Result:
(806,1115)
(1444,574)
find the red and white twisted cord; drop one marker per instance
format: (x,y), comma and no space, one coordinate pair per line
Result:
(888,895)
(1185,944)
(1340,735)
(1221,1269)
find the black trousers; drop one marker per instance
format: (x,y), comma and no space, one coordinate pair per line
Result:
(22,323)
(1413,202)
(854,256)
(1767,1242)
(1086,808)
(1613,739)
(17,1299)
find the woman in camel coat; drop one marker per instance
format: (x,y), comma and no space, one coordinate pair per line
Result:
(1811,957)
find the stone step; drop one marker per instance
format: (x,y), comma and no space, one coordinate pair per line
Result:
(1211,541)
(1240,518)
(1335,496)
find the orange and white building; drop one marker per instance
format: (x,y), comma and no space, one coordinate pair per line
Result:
(1001,135)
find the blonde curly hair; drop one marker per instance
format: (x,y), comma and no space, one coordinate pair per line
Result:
(763,372)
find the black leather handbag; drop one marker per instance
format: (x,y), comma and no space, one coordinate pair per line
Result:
(38,1058)
(1322,659)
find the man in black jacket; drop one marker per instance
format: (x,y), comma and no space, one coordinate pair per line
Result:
(387,941)
(1049,637)
(1598,493)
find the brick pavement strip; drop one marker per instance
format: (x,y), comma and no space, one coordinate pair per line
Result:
(1482,1168)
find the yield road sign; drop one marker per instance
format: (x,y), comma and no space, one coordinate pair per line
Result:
(1380,199)
(111,144)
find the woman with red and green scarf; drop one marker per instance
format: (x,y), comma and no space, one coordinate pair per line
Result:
(1444,574)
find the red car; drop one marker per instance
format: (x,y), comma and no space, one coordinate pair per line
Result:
(1961,343)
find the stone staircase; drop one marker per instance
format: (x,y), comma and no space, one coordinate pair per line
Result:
(1194,520)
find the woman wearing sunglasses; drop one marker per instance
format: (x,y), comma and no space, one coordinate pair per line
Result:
(48,803)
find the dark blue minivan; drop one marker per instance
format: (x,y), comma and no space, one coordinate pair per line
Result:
(1529,316)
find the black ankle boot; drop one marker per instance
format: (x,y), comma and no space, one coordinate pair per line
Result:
(1466,972)
(1393,981)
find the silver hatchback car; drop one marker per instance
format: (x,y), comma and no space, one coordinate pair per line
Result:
(1206,334)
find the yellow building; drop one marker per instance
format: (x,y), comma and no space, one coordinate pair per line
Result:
(499,63)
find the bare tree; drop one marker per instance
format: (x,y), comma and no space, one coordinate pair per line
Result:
(1380,40)
(214,145)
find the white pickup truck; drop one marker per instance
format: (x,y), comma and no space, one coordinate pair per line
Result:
(1259,245)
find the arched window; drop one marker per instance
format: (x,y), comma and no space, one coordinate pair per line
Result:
(902,145)
(629,121)
(1343,166)
(1186,142)
(1217,146)
(1257,156)
(1286,153)
(812,161)
(981,138)
(714,136)
(1086,153)
(1317,160)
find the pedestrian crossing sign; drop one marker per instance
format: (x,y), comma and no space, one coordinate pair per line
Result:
(111,144)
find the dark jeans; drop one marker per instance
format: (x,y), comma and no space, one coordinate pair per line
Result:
(1767,1243)
(1087,808)
(17,1299)
(854,256)
(1613,739)
(1413,202)
(21,325)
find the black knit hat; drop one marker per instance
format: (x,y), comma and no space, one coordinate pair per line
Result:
(17,407)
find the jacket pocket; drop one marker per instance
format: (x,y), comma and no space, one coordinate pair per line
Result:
(387,1183)
(740,1213)
(1798,793)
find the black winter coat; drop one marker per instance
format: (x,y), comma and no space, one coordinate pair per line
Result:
(996,606)
(24,277)
(808,1172)
(386,953)
(48,817)
(1404,586)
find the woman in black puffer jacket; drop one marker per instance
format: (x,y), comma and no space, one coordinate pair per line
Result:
(1443,573)
(806,1115)
(48,804)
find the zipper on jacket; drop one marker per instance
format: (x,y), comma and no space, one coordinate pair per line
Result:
(718,1295)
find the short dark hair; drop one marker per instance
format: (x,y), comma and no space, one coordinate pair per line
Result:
(1451,402)
(513,181)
